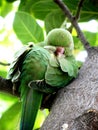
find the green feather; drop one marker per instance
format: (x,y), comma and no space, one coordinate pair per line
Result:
(69,65)
(30,105)
(30,64)
(33,68)
(61,70)
(56,77)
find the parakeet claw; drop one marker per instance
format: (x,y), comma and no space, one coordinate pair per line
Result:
(40,85)
(40,82)
(35,83)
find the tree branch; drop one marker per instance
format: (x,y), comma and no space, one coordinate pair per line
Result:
(88,121)
(74,23)
(76,105)
(4,64)
(77,16)
(7,86)
(80,4)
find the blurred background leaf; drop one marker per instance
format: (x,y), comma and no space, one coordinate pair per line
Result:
(9,111)
(54,19)
(5,7)
(11,117)
(27,29)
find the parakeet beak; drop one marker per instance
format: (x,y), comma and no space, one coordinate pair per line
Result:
(59,51)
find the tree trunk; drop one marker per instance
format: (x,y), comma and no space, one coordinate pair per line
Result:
(75,107)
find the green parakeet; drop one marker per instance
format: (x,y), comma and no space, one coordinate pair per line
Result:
(30,64)
(61,70)
(37,70)
(62,67)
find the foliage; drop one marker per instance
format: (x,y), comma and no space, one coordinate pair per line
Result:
(27,29)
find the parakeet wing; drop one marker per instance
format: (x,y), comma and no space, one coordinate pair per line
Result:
(54,75)
(14,67)
(69,65)
(56,78)
(53,61)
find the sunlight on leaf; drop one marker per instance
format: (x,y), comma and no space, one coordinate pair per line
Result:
(52,22)
(40,118)
(27,29)
(10,119)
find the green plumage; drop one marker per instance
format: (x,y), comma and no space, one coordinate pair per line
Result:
(61,70)
(30,64)
(33,68)
(60,37)
(33,64)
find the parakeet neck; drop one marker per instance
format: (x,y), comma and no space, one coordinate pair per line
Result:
(59,51)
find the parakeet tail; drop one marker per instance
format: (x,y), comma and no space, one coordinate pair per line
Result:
(30,106)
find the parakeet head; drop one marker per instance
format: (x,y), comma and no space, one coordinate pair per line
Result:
(62,38)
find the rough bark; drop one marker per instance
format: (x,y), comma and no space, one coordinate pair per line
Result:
(7,87)
(76,105)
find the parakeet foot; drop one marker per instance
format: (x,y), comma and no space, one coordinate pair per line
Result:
(41,86)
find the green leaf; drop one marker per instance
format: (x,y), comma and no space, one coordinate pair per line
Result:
(92,38)
(6,97)
(27,29)
(78,46)
(89,10)
(26,5)
(5,7)
(41,8)
(3,73)
(10,119)
(10,1)
(54,20)
(40,118)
